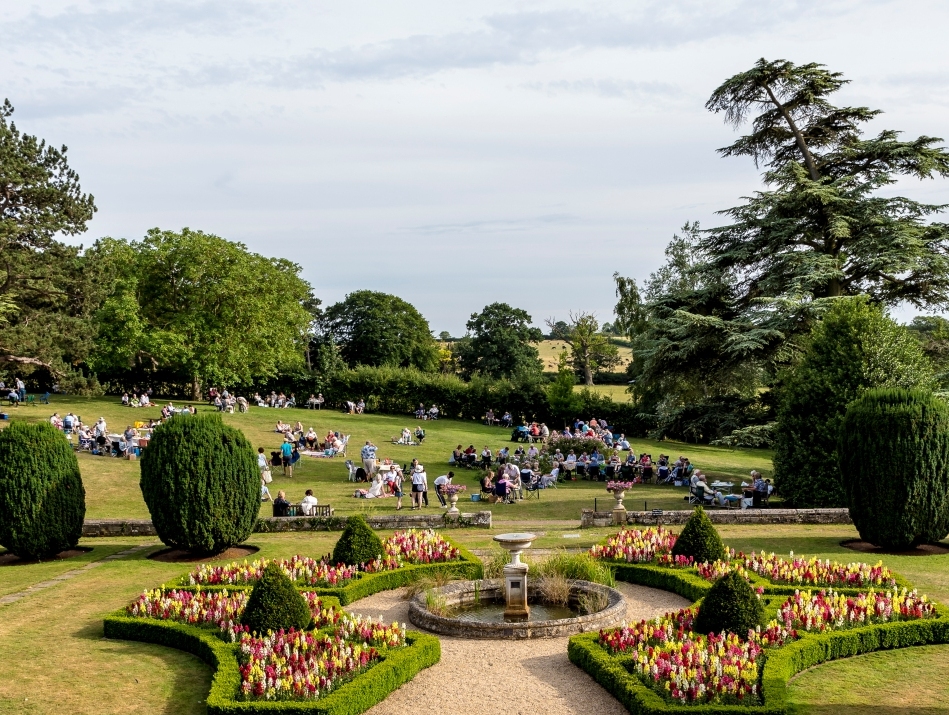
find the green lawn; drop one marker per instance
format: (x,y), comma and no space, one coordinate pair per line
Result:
(112,489)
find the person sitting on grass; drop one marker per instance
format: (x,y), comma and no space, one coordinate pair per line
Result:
(507,420)
(360,406)
(309,501)
(311,438)
(419,434)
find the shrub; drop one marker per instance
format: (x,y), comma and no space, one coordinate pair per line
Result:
(576,567)
(42,501)
(699,539)
(855,347)
(894,463)
(730,605)
(200,483)
(275,603)
(358,544)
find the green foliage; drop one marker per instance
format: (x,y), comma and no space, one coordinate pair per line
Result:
(46,290)
(42,500)
(731,605)
(894,462)
(379,329)
(358,544)
(577,567)
(172,307)
(932,331)
(591,351)
(561,396)
(854,348)
(499,343)
(274,604)
(397,667)
(699,539)
(200,483)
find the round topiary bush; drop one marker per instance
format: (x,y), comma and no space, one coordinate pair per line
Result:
(42,501)
(357,544)
(275,604)
(200,483)
(894,466)
(730,605)
(699,539)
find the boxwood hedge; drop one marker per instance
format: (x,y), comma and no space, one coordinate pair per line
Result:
(396,667)
(780,664)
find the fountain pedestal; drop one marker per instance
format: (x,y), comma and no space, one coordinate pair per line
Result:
(515,576)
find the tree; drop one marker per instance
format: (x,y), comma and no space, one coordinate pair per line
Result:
(631,313)
(932,331)
(902,507)
(823,229)
(275,604)
(730,606)
(46,292)
(699,539)
(561,396)
(444,336)
(200,483)
(42,500)
(854,348)
(203,307)
(499,343)
(378,329)
(358,544)
(591,352)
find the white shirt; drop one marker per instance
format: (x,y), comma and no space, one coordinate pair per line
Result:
(307,504)
(420,478)
(441,481)
(262,461)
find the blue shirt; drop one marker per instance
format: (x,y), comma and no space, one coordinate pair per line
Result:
(287,450)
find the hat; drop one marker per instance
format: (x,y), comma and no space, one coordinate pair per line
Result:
(419,468)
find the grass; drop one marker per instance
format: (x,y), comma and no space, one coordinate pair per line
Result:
(112,489)
(549,351)
(53,638)
(617,393)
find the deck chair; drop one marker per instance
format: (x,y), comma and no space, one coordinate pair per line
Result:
(532,489)
(352,470)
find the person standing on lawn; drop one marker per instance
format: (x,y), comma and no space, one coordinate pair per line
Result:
(419,486)
(368,455)
(286,458)
(440,483)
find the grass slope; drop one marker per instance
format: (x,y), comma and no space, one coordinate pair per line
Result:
(112,485)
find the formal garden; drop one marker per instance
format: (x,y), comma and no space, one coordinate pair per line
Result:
(219,496)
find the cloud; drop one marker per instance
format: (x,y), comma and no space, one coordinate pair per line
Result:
(607,88)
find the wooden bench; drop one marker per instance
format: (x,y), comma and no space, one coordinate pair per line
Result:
(321,510)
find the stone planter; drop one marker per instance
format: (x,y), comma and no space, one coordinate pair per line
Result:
(453,501)
(619,511)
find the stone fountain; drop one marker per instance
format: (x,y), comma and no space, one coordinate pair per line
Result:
(515,576)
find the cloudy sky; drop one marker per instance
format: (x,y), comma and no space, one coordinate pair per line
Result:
(453,153)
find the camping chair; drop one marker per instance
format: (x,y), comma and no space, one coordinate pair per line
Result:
(345,440)
(697,495)
(352,470)
(581,470)
(532,489)
(45,399)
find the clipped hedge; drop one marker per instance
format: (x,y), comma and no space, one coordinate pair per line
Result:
(275,604)
(699,539)
(358,544)
(396,668)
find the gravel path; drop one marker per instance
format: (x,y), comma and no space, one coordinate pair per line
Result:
(481,677)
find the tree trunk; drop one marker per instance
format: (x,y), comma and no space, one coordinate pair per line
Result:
(587,373)
(196,388)
(798,137)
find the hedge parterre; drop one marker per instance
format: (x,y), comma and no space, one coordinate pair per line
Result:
(690,668)
(403,547)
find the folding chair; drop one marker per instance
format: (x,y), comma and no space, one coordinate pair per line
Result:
(533,489)
(352,470)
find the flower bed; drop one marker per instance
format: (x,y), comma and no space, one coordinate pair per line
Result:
(662,666)
(421,547)
(636,545)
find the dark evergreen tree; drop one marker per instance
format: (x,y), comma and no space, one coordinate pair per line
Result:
(730,606)
(275,604)
(358,544)
(855,347)
(699,539)
(200,483)
(894,464)
(42,500)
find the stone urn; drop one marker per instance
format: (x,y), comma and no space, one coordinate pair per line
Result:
(618,495)
(453,508)
(515,576)
(619,511)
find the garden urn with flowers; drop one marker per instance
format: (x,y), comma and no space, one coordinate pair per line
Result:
(451,492)
(618,489)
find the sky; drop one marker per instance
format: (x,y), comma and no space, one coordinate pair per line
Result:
(452,153)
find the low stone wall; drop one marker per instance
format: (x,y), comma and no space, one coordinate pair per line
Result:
(589,518)
(144,527)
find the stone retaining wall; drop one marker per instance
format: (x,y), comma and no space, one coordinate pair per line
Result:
(589,518)
(144,527)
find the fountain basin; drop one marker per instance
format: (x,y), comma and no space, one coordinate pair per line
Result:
(467,623)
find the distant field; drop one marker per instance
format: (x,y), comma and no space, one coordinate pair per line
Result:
(550,353)
(617,393)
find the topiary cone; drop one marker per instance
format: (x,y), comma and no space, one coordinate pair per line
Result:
(358,544)
(275,604)
(699,539)
(42,500)
(731,605)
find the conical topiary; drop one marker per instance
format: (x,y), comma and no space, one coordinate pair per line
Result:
(275,603)
(730,605)
(42,500)
(358,543)
(699,539)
